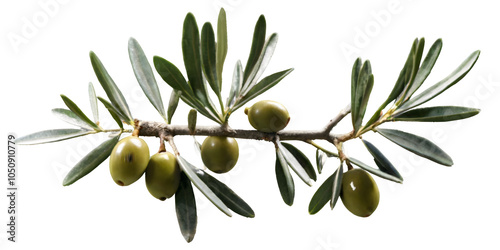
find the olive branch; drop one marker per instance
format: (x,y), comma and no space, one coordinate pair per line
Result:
(204,55)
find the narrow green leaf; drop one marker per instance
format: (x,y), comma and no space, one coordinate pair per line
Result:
(172,75)
(356,68)
(228,196)
(261,63)
(172,104)
(52,135)
(93,102)
(112,91)
(320,160)
(236,85)
(261,87)
(192,57)
(301,159)
(185,208)
(417,145)
(209,57)
(404,76)
(374,171)
(192,117)
(189,170)
(426,68)
(71,118)
(382,162)
(91,161)
(284,178)
(221,44)
(144,74)
(363,89)
(436,114)
(443,85)
(197,145)
(337,185)
(259,38)
(77,111)
(112,111)
(295,164)
(322,195)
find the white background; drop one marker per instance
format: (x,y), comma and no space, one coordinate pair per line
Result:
(436,207)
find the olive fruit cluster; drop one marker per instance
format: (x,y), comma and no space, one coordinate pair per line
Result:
(360,193)
(130,159)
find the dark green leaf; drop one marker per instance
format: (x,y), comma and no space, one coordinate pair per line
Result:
(228,196)
(356,68)
(192,58)
(374,171)
(382,162)
(301,159)
(443,85)
(320,160)
(209,57)
(77,111)
(192,117)
(363,89)
(172,75)
(71,118)
(52,135)
(221,44)
(261,64)
(172,104)
(144,75)
(236,85)
(322,195)
(337,185)
(114,94)
(185,208)
(261,87)
(112,111)
(417,145)
(91,161)
(425,68)
(284,178)
(93,102)
(259,38)
(295,164)
(189,170)
(436,114)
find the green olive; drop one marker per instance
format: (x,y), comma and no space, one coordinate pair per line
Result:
(128,160)
(360,193)
(268,116)
(219,154)
(162,175)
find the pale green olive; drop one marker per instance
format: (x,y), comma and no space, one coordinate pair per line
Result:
(163,175)
(268,116)
(219,154)
(360,193)
(128,160)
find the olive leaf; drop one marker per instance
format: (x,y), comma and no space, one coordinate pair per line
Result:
(322,195)
(93,102)
(362,89)
(189,170)
(52,135)
(284,178)
(442,85)
(436,114)
(374,171)
(226,195)
(91,161)
(192,115)
(320,160)
(77,111)
(112,111)
(337,185)
(221,45)
(234,92)
(71,118)
(259,38)
(112,91)
(301,159)
(382,162)
(417,57)
(144,74)
(209,57)
(185,208)
(417,145)
(294,164)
